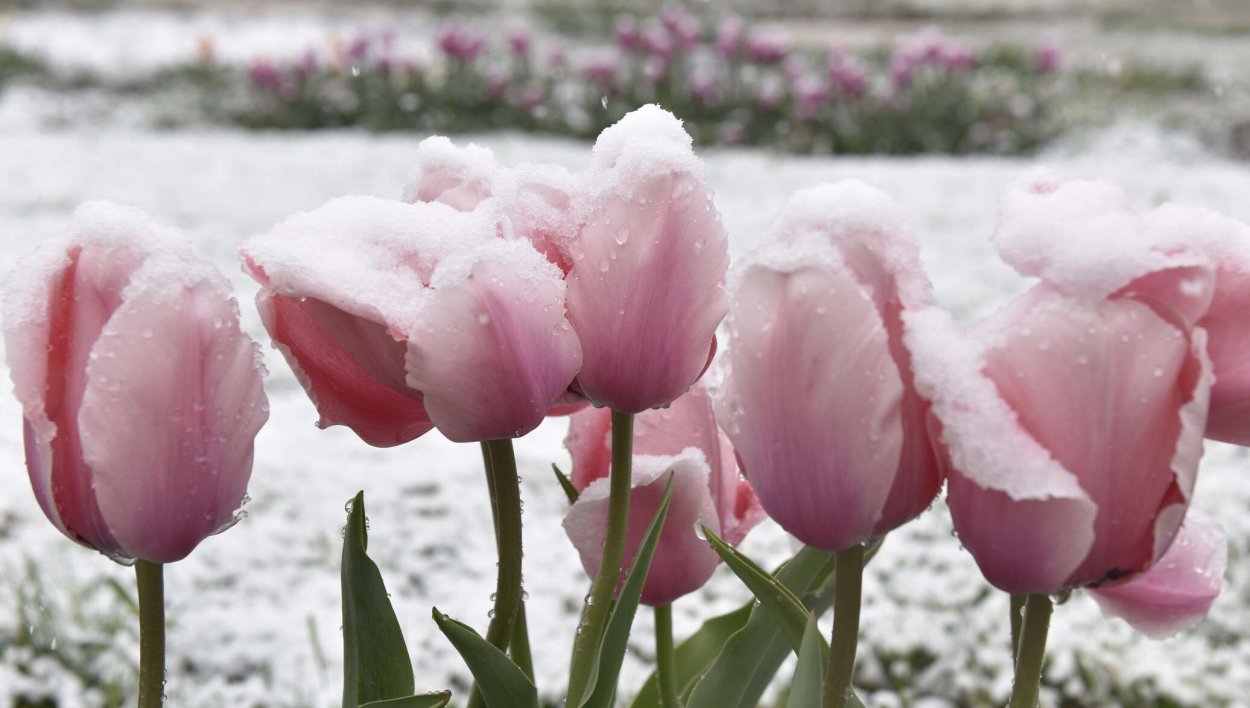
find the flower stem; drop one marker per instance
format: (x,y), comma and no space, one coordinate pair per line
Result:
(1032,651)
(1017,620)
(595,614)
(505,492)
(151,582)
(665,659)
(847,592)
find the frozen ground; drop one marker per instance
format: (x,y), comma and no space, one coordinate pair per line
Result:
(254,613)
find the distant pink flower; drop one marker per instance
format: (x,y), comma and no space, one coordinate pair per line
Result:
(496,84)
(140,395)
(645,293)
(532,97)
(358,48)
(682,441)
(683,28)
(850,78)
(397,318)
(729,37)
(519,41)
(818,397)
(1048,58)
(462,44)
(627,33)
(658,43)
(703,88)
(601,69)
(1178,590)
(768,48)
(810,95)
(266,75)
(654,69)
(557,56)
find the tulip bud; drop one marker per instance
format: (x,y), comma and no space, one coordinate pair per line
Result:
(818,396)
(140,395)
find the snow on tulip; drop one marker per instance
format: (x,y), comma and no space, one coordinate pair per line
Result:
(140,396)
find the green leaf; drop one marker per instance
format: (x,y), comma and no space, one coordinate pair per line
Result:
(807,690)
(749,660)
(376,665)
(502,684)
(773,595)
(569,490)
(616,636)
(425,700)
(695,655)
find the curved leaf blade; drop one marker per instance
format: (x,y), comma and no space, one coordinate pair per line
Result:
(502,683)
(425,700)
(807,689)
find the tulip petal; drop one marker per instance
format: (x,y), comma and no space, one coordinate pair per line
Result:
(645,292)
(1228,325)
(812,401)
(1119,435)
(351,367)
(491,350)
(590,445)
(171,362)
(1006,491)
(683,562)
(1178,590)
(460,177)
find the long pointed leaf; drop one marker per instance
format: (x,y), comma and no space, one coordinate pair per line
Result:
(502,684)
(749,660)
(773,595)
(376,665)
(616,636)
(694,655)
(426,700)
(806,691)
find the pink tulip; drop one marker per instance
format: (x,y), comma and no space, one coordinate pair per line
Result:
(140,396)
(818,396)
(1085,237)
(460,177)
(645,293)
(1048,58)
(729,37)
(681,440)
(768,48)
(627,33)
(401,317)
(1178,590)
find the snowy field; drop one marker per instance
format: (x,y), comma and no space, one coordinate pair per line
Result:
(254,613)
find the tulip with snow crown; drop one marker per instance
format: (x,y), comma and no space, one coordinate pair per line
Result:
(140,395)
(1062,231)
(645,291)
(402,317)
(1072,420)
(818,398)
(684,440)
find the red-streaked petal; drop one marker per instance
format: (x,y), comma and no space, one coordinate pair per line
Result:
(351,367)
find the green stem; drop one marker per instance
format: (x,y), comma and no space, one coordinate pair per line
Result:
(848,589)
(595,614)
(151,581)
(505,489)
(1032,651)
(520,646)
(1017,621)
(665,659)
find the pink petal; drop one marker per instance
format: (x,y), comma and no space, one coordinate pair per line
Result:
(492,351)
(351,367)
(683,562)
(1228,325)
(590,445)
(173,403)
(1024,518)
(645,291)
(1102,388)
(1178,590)
(1180,295)
(460,177)
(813,409)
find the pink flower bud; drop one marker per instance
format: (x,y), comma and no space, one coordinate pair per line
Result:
(684,442)
(818,396)
(141,397)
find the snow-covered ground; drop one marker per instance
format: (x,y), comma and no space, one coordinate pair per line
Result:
(254,613)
